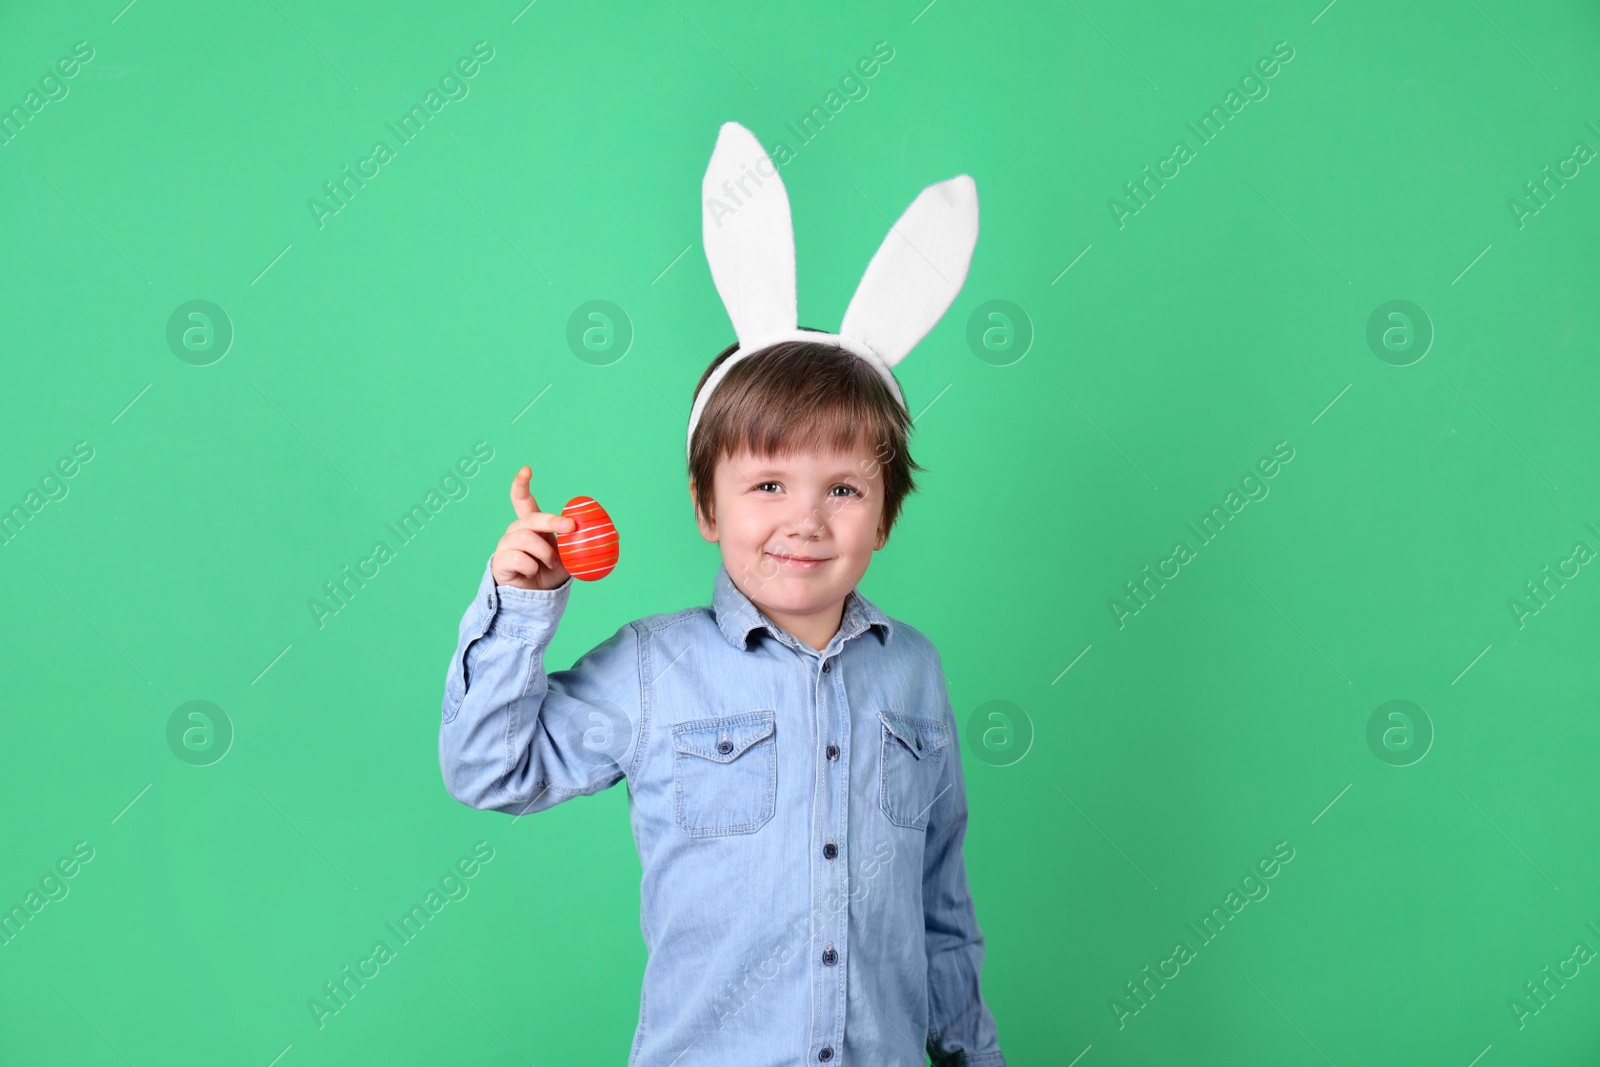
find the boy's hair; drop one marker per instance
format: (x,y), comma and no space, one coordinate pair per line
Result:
(800,396)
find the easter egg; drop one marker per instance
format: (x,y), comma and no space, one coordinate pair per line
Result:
(590,550)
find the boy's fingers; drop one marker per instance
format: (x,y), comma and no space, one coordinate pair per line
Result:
(514,563)
(521,499)
(543,522)
(517,562)
(526,541)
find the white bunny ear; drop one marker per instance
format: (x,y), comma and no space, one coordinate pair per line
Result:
(749,236)
(917,271)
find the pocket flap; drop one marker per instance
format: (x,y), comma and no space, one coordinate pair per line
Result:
(722,740)
(922,737)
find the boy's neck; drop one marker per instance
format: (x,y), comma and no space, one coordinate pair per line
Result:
(814,628)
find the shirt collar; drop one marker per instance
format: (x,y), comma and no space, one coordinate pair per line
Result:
(737,616)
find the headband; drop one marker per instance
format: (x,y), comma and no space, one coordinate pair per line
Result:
(749,237)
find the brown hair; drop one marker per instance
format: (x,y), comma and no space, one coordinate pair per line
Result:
(796,396)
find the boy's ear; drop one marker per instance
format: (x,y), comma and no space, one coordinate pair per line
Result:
(708,527)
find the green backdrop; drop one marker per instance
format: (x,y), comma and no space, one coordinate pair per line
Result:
(1340,348)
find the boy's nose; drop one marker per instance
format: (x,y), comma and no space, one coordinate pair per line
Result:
(810,521)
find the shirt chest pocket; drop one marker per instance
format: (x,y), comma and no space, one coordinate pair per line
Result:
(911,769)
(725,774)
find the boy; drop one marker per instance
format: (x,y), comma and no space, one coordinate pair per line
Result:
(794,770)
(792,761)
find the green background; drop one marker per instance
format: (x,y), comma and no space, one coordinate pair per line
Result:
(1228,315)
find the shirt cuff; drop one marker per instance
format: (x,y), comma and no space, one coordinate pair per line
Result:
(529,615)
(993,1058)
(532,599)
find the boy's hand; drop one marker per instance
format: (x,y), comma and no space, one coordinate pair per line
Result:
(526,557)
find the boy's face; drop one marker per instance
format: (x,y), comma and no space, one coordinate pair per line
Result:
(797,532)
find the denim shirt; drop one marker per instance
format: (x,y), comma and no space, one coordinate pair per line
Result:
(799,816)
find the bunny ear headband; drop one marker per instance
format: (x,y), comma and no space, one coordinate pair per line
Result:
(749,238)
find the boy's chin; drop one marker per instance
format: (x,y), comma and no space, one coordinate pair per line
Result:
(775,599)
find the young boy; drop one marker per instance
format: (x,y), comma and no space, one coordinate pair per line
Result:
(791,757)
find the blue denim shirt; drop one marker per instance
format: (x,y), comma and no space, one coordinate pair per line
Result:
(799,817)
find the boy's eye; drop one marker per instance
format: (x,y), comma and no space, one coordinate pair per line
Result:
(841,485)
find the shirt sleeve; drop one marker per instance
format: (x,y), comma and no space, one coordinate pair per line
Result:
(517,739)
(961,1030)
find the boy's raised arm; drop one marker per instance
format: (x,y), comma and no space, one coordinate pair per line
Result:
(512,736)
(516,738)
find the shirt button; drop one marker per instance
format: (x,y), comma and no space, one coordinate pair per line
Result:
(830,850)
(825,1053)
(829,956)
(724,746)
(826,667)
(833,750)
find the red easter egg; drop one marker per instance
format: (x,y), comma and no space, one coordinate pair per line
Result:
(590,550)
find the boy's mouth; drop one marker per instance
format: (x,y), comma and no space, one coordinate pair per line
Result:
(799,563)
